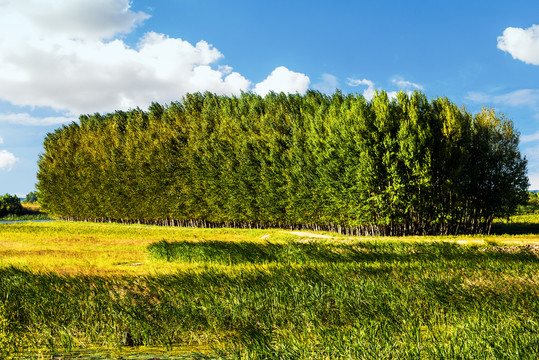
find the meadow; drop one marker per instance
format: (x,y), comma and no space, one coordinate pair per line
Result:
(88,290)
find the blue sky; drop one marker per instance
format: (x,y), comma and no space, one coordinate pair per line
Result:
(63,58)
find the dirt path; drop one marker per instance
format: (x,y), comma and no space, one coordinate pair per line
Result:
(515,242)
(309,234)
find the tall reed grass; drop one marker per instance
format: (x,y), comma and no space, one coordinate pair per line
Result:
(287,299)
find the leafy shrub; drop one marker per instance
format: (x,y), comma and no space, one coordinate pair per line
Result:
(10,204)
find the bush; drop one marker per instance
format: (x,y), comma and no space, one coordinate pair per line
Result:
(10,205)
(533,199)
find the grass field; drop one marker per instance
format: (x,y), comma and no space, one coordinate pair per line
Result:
(113,291)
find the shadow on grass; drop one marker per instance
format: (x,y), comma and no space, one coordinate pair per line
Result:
(233,253)
(28,213)
(519,228)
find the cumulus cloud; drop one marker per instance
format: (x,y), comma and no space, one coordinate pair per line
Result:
(283,80)
(522,44)
(85,77)
(328,84)
(7,160)
(70,56)
(368,93)
(73,19)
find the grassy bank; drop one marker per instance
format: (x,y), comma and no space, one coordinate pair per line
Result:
(68,287)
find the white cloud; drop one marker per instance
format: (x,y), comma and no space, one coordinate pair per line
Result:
(85,77)
(393,94)
(27,119)
(534,181)
(522,97)
(225,69)
(68,56)
(368,93)
(523,139)
(478,97)
(328,85)
(1,141)
(532,153)
(522,44)
(7,160)
(403,84)
(406,86)
(73,19)
(283,80)
(529,97)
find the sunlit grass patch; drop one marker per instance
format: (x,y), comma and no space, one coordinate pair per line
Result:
(91,248)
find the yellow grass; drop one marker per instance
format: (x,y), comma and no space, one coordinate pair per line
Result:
(35,207)
(104,249)
(115,249)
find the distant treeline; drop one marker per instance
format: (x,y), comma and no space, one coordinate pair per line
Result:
(532,205)
(382,167)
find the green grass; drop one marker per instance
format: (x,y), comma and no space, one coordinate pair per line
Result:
(202,293)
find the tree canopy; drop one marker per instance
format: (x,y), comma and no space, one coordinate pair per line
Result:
(31,197)
(398,166)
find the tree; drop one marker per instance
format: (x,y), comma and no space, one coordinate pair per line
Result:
(31,197)
(389,166)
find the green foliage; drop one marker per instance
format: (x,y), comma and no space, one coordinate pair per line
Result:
(31,197)
(339,163)
(27,211)
(10,204)
(533,200)
(531,206)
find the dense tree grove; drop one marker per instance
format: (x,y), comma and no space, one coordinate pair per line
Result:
(381,167)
